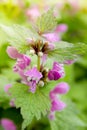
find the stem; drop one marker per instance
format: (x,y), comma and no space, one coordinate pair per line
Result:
(38,63)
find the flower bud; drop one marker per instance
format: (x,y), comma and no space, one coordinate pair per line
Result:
(41,83)
(61,88)
(40,54)
(54,75)
(13,53)
(32,52)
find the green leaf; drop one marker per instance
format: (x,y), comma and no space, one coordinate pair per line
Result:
(32,105)
(67,51)
(67,119)
(17,36)
(46,22)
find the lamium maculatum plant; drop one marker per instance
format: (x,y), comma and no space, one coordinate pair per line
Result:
(39,61)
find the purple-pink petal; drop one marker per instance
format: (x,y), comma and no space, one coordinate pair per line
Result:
(32,85)
(57,105)
(34,74)
(51,46)
(13,53)
(57,66)
(22,63)
(61,28)
(51,37)
(53,75)
(61,88)
(8,124)
(56,72)
(33,13)
(52,95)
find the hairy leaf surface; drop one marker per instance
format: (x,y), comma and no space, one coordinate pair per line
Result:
(32,105)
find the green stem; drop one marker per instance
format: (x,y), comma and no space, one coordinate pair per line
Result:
(38,63)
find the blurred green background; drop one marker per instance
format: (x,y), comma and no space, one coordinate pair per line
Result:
(73,13)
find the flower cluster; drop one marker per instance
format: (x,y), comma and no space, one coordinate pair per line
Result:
(37,75)
(31,75)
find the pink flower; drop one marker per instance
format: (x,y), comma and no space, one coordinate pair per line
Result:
(57,105)
(22,60)
(52,37)
(33,77)
(8,124)
(32,85)
(53,75)
(61,88)
(22,63)
(33,74)
(56,72)
(13,53)
(61,28)
(33,13)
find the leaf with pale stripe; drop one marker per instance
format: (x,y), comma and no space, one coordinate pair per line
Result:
(46,22)
(17,36)
(67,51)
